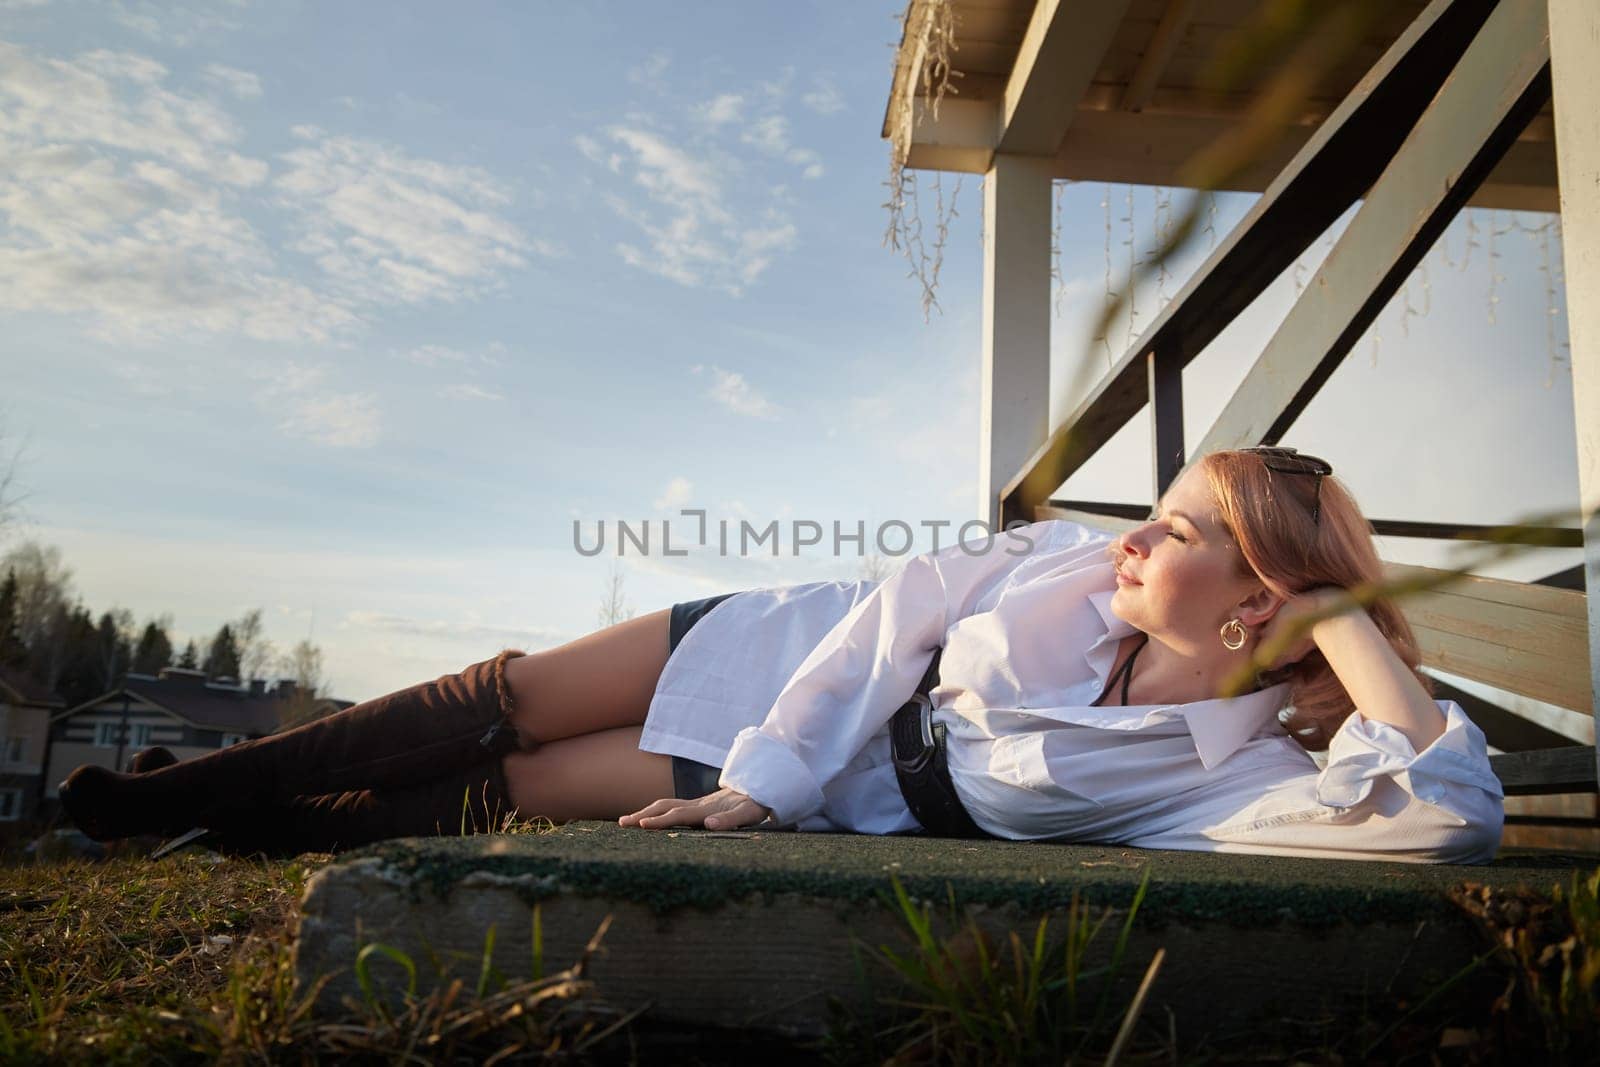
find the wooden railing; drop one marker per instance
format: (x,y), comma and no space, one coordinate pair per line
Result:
(1414,139)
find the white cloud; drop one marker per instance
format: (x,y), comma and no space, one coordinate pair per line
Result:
(177,22)
(770,135)
(240,83)
(339,420)
(387,227)
(677,493)
(695,236)
(721,109)
(117,100)
(310,412)
(294,377)
(119,202)
(824,98)
(595,152)
(468,391)
(730,389)
(469,631)
(433,355)
(650,71)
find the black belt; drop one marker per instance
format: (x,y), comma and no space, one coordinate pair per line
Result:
(921,766)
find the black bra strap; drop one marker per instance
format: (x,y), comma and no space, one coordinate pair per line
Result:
(1125,673)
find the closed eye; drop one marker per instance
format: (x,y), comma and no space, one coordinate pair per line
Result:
(1176,536)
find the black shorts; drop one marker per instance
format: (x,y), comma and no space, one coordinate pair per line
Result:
(690,778)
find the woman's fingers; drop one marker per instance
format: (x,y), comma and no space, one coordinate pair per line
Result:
(726,809)
(653,808)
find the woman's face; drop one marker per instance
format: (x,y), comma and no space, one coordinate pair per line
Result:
(1178,574)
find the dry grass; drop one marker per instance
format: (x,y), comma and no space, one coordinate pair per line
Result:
(189,960)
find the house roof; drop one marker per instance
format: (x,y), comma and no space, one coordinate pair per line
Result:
(20,687)
(200,703)
(1116,91)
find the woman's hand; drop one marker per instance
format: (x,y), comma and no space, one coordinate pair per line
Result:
(1294,624)
(726,809)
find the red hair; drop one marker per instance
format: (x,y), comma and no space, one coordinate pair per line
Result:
(1269,515)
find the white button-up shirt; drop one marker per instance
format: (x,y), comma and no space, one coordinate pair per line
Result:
(790,690)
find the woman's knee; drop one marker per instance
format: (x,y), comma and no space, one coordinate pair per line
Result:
(602,681)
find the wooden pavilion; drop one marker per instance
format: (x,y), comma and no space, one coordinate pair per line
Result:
(1441,105)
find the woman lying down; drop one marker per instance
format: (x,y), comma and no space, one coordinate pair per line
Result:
(1052,683)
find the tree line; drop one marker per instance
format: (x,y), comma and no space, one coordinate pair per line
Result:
(46,631)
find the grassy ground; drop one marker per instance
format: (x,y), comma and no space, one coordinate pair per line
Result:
(187,960)
(127,960)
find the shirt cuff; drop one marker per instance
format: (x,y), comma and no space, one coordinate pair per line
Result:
(769,773)
(1364,750)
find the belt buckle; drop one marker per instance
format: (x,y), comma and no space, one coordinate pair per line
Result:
(925,718)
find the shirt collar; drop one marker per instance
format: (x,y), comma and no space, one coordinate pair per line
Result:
(1220,726)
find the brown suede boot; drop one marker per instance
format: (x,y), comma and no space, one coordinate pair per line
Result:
(395,741)
(471,802)
(151,759)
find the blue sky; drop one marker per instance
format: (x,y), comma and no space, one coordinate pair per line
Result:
(349,311)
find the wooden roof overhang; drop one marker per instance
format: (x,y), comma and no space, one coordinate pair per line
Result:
(1114,91)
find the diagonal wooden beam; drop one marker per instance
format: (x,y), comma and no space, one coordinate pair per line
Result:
(1500,83)
(1157,54)
(1325,177)
(1060,52)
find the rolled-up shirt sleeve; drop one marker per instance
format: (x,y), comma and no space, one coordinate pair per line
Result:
(866,667)
(1378,798)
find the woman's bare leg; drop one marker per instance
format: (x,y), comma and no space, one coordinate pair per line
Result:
(603,681)
(597,775)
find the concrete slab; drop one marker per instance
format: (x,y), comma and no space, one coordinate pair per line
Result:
(761,929)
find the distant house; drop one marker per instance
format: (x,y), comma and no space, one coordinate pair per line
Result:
(179,709)
(26,705)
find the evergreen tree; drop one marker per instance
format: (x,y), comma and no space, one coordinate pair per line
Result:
(154,650)
(222,657)
(80,674)
(13,653)
(190,660)
(114,646)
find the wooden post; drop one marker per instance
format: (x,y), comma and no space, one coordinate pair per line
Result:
(1575,76)
(1015,415)
(1164,370)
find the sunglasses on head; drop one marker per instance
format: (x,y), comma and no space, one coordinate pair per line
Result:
(1290,461)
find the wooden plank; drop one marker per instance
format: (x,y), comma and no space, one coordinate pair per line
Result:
(1500,82)
(1157,54)
(1452,531)
(1165,383)
(1561,537)
(1558,770)
(1467,592)
(1575,69)
(1059,54)
(1015,378)
(1151,147)
(1336,165)
(1577,806)
(1527,639)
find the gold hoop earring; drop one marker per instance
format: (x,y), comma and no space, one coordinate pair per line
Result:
(1233,635)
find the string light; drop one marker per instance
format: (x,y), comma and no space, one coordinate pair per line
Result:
(1105,338)
(1133,265)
